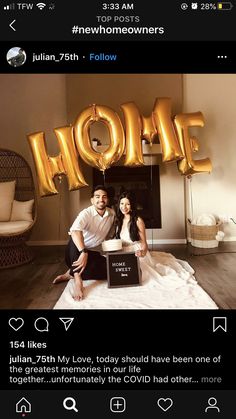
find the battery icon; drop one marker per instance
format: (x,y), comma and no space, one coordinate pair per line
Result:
(225,5)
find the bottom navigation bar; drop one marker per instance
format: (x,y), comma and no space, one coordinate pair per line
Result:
(61,404)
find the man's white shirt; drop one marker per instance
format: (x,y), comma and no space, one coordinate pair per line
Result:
(95,228)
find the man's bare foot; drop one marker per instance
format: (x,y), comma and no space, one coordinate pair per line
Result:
(78,288)
(61,278)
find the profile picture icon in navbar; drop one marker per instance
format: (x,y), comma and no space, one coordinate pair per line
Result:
(16,56)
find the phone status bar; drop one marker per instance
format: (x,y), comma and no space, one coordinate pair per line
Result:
(206,7)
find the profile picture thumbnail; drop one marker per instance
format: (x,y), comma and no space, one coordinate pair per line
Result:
(16,56)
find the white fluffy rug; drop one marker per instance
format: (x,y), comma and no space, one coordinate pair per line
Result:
(168,284)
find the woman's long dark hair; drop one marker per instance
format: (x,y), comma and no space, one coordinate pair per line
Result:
(133,228)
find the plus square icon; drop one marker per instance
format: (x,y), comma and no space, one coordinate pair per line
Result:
(117,404)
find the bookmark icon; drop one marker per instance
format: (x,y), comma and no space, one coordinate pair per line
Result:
(219,323)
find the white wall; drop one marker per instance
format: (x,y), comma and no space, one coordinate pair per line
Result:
(215,96)
(30,103)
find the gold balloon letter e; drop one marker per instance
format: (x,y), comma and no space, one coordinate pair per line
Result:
(189,166)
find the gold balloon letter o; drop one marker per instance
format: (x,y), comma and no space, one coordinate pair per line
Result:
(94,113)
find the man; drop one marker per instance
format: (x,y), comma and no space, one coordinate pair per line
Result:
(92,226)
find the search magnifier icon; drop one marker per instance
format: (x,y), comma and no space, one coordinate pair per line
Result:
(70,404)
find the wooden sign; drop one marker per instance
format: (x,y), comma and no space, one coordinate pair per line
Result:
(123,269)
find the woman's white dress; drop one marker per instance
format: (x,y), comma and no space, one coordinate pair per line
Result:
(167,283)
(164,268)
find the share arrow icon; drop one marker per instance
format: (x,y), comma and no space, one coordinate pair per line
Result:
(66,321)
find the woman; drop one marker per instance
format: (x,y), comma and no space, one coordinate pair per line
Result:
(163,267)
(130,228)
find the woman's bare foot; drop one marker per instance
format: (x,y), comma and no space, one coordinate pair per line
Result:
(78,287)
(61,278)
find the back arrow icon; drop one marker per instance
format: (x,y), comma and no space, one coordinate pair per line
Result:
(12,27)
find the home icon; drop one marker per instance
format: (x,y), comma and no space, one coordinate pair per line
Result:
(23,406)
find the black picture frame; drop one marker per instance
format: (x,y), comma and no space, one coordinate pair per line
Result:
(123,269)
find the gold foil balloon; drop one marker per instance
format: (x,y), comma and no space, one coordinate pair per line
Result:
(149,131)
(194,144)
(176,143)
(70,158)
(42,164)
(110,118)
(137,128)
(171,150)
(188,166)
(65,163)
(140,127)
(134,154)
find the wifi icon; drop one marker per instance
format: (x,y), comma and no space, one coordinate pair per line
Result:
(41,5)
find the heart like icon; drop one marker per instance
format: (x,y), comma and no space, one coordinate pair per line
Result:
(16,324)
(165,404)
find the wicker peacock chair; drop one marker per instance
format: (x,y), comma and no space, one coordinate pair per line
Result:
(13,248)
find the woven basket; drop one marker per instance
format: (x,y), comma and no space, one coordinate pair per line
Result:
(204,236)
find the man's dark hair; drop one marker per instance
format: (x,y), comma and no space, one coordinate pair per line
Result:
(99,188)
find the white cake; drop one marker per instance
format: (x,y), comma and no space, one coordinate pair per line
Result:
(112,245)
